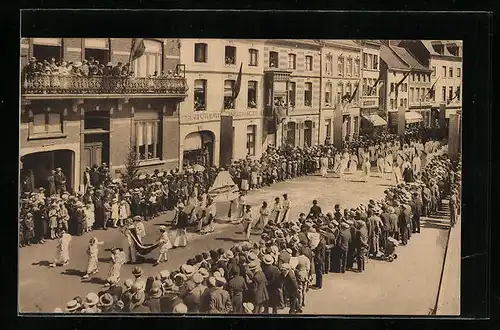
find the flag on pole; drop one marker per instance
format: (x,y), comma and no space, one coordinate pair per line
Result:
(354,93)
(431,91)
(402,79)
(457,92)
(237,85)
(374,85)
(138,49)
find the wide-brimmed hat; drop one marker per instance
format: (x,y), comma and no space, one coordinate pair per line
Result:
(187,270)
(168,284)
(106,300)
(204,272)
(72,305)
(164,274)
(162,228)
(228,254)
(197,278)
(251,257)
(253,265)
(268,259)
(155,293)
(345,225)
(91,299)
(137,271)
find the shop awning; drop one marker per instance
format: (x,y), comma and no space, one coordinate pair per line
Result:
(413,117)
(375,119)
(192,142)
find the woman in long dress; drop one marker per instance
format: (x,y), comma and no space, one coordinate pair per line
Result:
(62,252)
(324,166)
(181,226)
(129,245)
(336,163)
(90,215)
(344,162)
(93,252)
(388,161)
(353,162)
(118,258)
(366,164)
(381,163)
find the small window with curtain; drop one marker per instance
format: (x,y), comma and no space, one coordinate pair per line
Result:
(365,60)
(433,71)
(328,66)
(47,123)
(450,72)
(228,94)
(340,66)
(150,63)
(292,61)
(309,63)
(366,87)
(147,126)
(254,56)
(273,59)
(375,62)
(328,94)
(450,93)
(251,140)
(340,92)
(291,93)
(200,53)
(308,94)
(349,67)
(356,67)
(252,95)
(200,94)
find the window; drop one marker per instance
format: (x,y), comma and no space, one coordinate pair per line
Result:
(450,93)
(200,53)
(375,62)
(309,63)
(200,94)
(328,64)
(356,124)
(290,133)
(252,95)
(349,66)
(356,67)
(405,87)
(418,77)
(348,89)
(366,88)
(328,94)
(230,55)
(47,48)
(47,123)
(151,61)
(273,59)
(451,72)
(254,57)
(444,94)
(412,77)
(340,92)
(392,103)
(97,49)
(308,95)
(458,93)
(328,128)
(392,87)
(418,94)
(292,63)
(308,127)
(433,71)
(147,135)
(340,66)
(228,94)
(412,94)
(401,102)
(251,140)
(444,72)
(459,72)
(427,93)
(405,104)
(365,61)
(370,61)
(291,93)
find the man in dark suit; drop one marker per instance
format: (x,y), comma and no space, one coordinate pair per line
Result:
(319,262)
(94,176)
(291,287)
(274,284)
(315,210)
(417,212)
(342,244)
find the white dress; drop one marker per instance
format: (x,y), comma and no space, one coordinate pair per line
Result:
(90,215)
(324,166)
(118,260)
(93,263)
(62,254)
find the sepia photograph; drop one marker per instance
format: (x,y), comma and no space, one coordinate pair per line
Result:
(240,176)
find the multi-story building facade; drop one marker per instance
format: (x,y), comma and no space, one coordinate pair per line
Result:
(212,67)
(444,59)
(72,121)
(341,75)
(371,87)
(292,70)
(419,85)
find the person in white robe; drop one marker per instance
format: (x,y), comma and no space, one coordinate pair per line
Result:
(287,206)
(276,210)
(388,161)
(129,247)
(417,163)
(164,245)
(264,216)
(366,165)
(122,213)
(353,163)
(93,253)
(380,164)
(89,215)
(324,166)
(139,228)
(247,221)
(118,259)
(62,250)
(336,163)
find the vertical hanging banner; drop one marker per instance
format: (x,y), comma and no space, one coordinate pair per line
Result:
(453,137)
(226,140)
(338,122)
(401,121)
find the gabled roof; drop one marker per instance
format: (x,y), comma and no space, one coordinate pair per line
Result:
(409,59)
(428,45)
(389,57)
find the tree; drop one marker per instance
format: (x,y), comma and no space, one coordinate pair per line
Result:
(131,168)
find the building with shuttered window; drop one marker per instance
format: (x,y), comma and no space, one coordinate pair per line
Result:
(73,121)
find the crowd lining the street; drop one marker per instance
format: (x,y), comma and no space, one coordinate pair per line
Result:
(258,277)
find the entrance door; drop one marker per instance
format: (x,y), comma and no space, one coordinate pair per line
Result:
(92,154)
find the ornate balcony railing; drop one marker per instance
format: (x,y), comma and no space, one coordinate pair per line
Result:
(52,85)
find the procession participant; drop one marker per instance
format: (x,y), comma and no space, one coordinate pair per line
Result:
(324,166)
(366,165)
(117,259)
(287,205)
(389,159)
(89,216)
(207,221)
(417,163)
(336,163)
(247,222)
(380,163)
(140,230)
(62,252)
(164,244)
(93,263)
(241,205)
(264,216)
(129,245)
(53,219)
(353,162)
(276,210)
(182,223)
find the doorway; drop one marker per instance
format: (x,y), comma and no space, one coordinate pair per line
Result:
(42,164)
(95,149)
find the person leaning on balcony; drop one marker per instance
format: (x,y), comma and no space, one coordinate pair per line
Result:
(85,68)
(116,71)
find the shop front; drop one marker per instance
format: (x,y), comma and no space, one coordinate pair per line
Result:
(199,148)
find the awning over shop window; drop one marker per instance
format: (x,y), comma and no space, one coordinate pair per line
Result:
(375,119)
(413,117)
(192,142)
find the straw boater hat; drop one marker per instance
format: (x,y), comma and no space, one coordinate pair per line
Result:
(155,293)
(91,300)
(72,305)
(106,300)
(187,270)
(162,228)
(164,274)
(197,278)
(268,259)
(137,271)
(204,272)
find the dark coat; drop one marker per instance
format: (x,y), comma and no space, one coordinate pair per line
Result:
(344,239)
(153,304)
(290,283)
(274,284)
(260,288)
(192,301)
